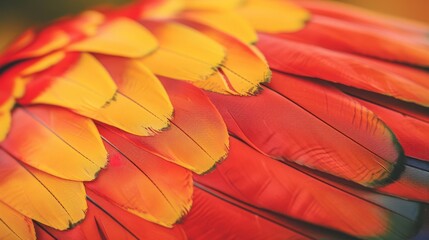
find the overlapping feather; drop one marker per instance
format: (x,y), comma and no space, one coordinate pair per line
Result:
(114,90)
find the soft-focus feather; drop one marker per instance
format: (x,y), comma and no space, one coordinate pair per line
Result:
(306,60)
(323,31)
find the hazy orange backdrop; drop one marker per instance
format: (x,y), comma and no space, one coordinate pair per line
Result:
(413,9)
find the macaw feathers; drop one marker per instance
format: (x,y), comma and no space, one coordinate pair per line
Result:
(191,119)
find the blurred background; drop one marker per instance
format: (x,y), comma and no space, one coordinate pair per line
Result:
(17,15)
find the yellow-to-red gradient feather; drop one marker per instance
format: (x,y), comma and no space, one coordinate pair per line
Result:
(231,119)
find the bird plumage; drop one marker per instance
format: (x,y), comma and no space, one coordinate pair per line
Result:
(188,119)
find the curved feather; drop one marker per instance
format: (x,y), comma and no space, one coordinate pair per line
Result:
(311,61)
(243,70)
(212,218)
(335,34)
(13,225)
(365,17)
(71,147)
(107,221)
(190,56)
(55,202)
(268,184)
(197,147)
(118,37)
(290,131)
(145,184)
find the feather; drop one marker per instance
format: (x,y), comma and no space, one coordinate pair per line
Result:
(119,37)
(365,17)
(107,221)
(243,70)
(413,184)
(71,147)
(266,183)
(335,34)
(190,56)
(197,147)
(304,137)
(87,32)
(212,218)
(55,202)
(411,132)
(147,101)
(5,117)
(227,22)
(66,84)
(310,61)
(145,184)
(14,225)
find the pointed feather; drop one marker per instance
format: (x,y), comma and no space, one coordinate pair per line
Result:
(189,56)
(412,133)
(71,146)
(266,183)
(336,109)
(13,225)
(107,221)
(148,99)
(290,131)
(145,185)
(243,70)
(197,147)
(306,60)
(55,202)
(82,84)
